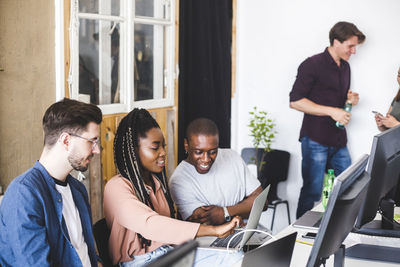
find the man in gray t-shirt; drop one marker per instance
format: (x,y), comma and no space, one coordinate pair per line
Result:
(212,184)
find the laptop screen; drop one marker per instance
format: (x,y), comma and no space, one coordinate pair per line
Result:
(255,214)
(277,253)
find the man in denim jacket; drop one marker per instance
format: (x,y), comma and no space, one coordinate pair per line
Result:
(45,217)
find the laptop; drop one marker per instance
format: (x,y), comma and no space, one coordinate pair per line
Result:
(241,240)
(277,253)
(310,221)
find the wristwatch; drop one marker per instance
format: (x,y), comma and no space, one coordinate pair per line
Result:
(226,215)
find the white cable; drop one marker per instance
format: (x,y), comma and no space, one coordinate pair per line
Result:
(248,230)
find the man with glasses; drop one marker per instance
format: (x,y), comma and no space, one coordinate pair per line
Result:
(45,217)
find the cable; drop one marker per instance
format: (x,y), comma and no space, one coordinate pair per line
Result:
(248,230)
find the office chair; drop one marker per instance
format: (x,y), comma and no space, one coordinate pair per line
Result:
(274,169)
(251,155)
(101,235)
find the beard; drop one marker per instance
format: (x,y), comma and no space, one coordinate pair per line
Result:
(76,162)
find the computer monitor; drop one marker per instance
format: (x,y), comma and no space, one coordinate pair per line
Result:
(384,169)
(344,203)
(181,256)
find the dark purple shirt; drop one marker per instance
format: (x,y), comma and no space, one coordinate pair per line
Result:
(322,81)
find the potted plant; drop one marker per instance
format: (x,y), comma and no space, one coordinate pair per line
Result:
(272,165)
(262,129)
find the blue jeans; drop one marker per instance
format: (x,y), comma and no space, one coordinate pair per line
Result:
(143,260)
(203,258)
(316,159)
(213,258)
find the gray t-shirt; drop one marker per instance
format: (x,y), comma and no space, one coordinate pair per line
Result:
(227,183)
(395,110)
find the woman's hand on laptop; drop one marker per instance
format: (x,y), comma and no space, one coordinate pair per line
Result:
(221,230)
(228,228)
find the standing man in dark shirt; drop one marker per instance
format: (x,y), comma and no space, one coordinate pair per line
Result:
(320,91)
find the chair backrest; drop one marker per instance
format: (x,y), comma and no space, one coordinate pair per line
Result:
(252,155)
(274,170)
(248,154)
(274,167)
(101,235)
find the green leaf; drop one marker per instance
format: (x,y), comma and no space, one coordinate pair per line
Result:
(261,128)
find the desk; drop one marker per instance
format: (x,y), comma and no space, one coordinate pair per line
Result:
(302,251)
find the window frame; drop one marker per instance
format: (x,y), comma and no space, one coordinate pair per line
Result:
(127,21)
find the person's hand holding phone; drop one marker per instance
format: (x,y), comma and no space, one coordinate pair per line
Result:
(390,121)
(378,118)
(376,113)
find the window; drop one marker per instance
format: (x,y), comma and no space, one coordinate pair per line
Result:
(122,53)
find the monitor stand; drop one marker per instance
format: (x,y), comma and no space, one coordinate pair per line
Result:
(374,252)
(382,227)
(378,228)
(338,260)
(374,229)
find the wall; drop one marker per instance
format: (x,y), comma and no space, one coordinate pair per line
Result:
(27,84)
(274,37)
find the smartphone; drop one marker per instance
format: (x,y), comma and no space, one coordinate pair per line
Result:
(309,235)
(377,113)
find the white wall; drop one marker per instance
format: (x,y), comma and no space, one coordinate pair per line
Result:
(274,37)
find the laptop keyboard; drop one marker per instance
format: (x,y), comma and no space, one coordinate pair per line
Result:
(223,242)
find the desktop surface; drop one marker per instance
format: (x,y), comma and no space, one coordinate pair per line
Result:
(302,250)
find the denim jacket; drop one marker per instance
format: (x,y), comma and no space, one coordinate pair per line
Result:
(32,229)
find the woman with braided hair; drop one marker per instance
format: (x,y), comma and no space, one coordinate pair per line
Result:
(137,204)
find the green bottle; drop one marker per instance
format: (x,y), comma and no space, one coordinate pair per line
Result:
(331,174)
(328,185)
(347,108)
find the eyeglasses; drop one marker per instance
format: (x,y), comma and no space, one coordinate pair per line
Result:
(94,142)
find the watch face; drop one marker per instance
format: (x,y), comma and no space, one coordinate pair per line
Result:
(226,215)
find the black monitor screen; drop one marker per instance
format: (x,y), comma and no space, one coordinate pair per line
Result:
(344,203)
(384,168)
